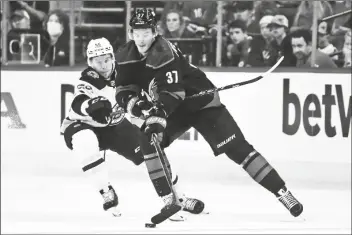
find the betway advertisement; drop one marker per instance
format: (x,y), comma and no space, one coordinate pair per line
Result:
(302,116)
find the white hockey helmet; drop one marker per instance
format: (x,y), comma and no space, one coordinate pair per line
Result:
(98,47)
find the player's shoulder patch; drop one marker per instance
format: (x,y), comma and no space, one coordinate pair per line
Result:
(93,74)
(92,77)
(90,72)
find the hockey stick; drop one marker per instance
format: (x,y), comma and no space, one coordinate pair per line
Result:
(336,15)
(174,207)
(210,91)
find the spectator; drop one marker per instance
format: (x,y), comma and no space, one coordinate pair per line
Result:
(244,10)
(304,16)
(301,40)
(340,23)
(56,41)
(281,44)
(239,47)
(20,19)
(20,23)
(324,45)
(264,29)
(175,27)
(37,11)
(159,28)
(288,9)
(346,51)
(198,13)
(260,54)
(264,8)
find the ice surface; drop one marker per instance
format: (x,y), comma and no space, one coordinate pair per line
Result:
(37,197)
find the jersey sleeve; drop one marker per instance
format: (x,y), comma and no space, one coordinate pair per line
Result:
(167,86)
(86,89)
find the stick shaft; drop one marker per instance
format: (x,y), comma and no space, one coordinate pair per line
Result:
(210,91)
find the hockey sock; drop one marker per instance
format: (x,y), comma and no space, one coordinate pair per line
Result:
(154,166)
(262,172)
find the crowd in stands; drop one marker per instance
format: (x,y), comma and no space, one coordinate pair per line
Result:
(254,33)
(35,17)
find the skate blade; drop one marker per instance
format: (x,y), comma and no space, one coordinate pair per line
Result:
(115,212)
(299,219)
(204,212)
(177,218)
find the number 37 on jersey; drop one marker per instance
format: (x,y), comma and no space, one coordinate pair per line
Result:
(172,76)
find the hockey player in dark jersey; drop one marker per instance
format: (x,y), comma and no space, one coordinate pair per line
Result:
(153,71)
(94,124)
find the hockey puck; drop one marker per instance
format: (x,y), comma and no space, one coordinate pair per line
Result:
(150,225)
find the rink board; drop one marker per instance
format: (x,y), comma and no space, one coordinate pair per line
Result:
(313,155)
(276,114)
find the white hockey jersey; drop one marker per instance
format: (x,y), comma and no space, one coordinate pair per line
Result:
(93,85)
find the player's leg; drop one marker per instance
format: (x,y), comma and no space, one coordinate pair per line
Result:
(177,124)
(221,131)
(82,139)
(127,140)
(123,139)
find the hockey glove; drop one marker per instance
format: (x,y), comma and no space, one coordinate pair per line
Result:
(155,124)
(99,108)
(136,106)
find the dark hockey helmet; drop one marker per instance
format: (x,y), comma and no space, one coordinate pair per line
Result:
(143,18)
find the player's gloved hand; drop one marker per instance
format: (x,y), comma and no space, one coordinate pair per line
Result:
(155,124)
(99,108)
(136,106)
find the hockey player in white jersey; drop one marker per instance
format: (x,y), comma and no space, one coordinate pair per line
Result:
(95,124)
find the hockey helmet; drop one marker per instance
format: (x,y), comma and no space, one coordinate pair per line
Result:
(143,18)
(98,47)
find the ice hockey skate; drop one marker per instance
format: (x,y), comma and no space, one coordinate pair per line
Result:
(191,205)
(111,201)
(290,202)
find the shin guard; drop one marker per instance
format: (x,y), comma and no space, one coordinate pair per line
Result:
(262,172)
(155,169)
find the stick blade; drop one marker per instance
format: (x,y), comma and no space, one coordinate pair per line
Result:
(165,214)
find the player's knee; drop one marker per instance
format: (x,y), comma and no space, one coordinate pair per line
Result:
(137,158)
(239,151)
(85,146)
(72,129)
(137,162)
(85,141)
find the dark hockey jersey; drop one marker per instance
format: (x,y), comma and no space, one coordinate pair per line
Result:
(91,85)
(164,75)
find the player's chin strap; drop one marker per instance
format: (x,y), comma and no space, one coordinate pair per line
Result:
(211,91)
